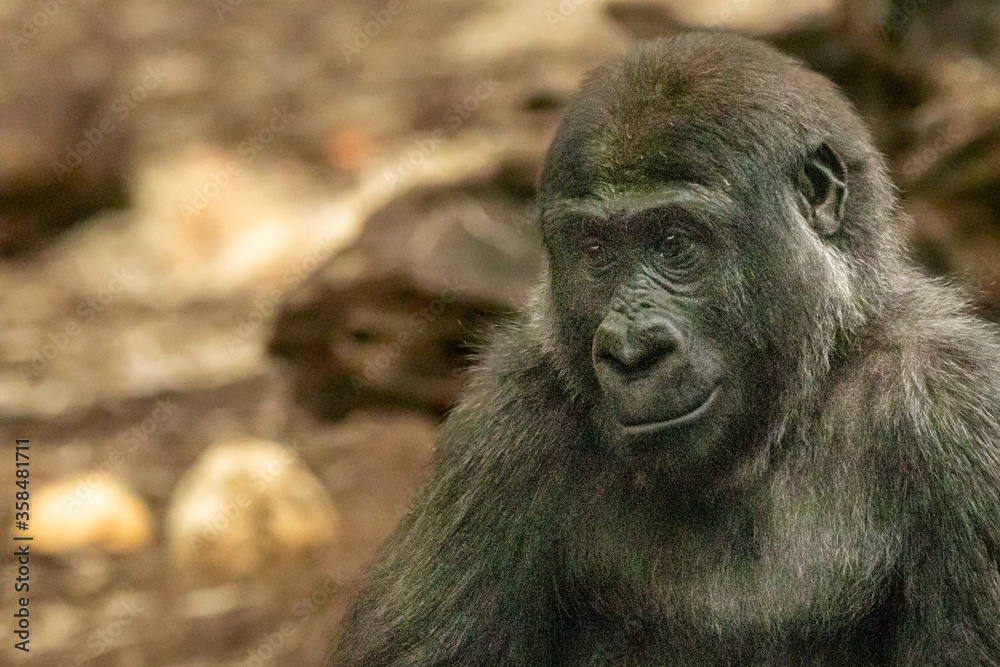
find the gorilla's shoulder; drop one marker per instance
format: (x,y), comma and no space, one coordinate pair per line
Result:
(948,362)
(515,391)
(518,364)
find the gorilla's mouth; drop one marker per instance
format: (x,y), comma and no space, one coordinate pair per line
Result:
(688,417)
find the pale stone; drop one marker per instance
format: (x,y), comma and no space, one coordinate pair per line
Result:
(242,505)
(90,509)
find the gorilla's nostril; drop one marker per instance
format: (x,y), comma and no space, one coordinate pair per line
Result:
(640,363)
(619,366)
(663,347)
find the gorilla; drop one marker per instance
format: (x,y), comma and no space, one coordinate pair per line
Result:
(735,427)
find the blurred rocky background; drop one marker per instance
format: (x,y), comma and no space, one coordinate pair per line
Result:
(247,248)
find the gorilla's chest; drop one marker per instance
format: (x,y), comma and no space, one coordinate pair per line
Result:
(797,587)
(611,642)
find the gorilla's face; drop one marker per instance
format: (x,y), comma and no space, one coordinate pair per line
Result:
(640,287)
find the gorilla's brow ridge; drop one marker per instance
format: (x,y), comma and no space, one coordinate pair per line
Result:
(690,199)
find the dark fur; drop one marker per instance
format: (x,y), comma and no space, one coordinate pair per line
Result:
(842,505)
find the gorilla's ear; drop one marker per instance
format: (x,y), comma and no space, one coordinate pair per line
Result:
(822,187)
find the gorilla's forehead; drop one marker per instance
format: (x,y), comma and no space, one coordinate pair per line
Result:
(625,153)
(652,141)
(681,110)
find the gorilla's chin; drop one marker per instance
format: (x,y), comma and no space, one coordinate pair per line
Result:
(661,427)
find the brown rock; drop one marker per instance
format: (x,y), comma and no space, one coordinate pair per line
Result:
(394,318)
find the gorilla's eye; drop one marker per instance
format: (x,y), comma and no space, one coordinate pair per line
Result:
(677,250)
(595,253)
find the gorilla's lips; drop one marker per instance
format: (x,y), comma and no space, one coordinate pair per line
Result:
(686,418)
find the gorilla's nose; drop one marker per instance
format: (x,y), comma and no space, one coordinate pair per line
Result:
(629,351)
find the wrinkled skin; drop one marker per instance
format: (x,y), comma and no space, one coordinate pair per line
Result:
(734,427)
